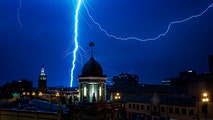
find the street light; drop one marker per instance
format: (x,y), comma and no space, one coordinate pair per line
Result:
(205,101)
(57,94)
(23,94)
(33,94)
(117,98)
(40,94)
(58,97)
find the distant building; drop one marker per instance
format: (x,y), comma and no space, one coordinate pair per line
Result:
(22,86)
(166,82)
(16,87)
(181,97)
(181,79)
(193,83)
(42,81)
(124,80)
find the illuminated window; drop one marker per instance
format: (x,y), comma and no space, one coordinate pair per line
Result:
(85,91)
(99,91)
(93,89)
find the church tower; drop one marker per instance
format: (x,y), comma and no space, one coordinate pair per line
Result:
(42,81)
(92,82)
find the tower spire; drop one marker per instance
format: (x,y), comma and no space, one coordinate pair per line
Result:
(42,70)
(91,44)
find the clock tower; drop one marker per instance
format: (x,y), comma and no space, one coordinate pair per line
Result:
(42,81)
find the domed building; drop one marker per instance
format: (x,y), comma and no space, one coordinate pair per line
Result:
(92,103)
(92,82)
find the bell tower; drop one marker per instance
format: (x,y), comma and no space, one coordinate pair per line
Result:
(42,81)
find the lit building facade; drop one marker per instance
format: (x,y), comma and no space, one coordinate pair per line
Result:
(92,103)
(92,83)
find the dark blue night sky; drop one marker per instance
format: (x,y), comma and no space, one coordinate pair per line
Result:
(45,36)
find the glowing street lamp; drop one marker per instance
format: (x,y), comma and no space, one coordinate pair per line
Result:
(33,94)
(205,101)
(57,94)
(117,96)
(58,97)
(40,94)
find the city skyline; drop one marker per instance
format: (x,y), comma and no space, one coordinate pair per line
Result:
(41,32)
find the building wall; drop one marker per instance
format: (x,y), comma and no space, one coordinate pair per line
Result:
(124,80)
(145,111)
(18,86)
(42,85)
(199,84)
(209,110)
(26,115)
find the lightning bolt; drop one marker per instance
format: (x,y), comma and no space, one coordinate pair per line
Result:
(147,39)
(18,12)
(117,37)
(75,40)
